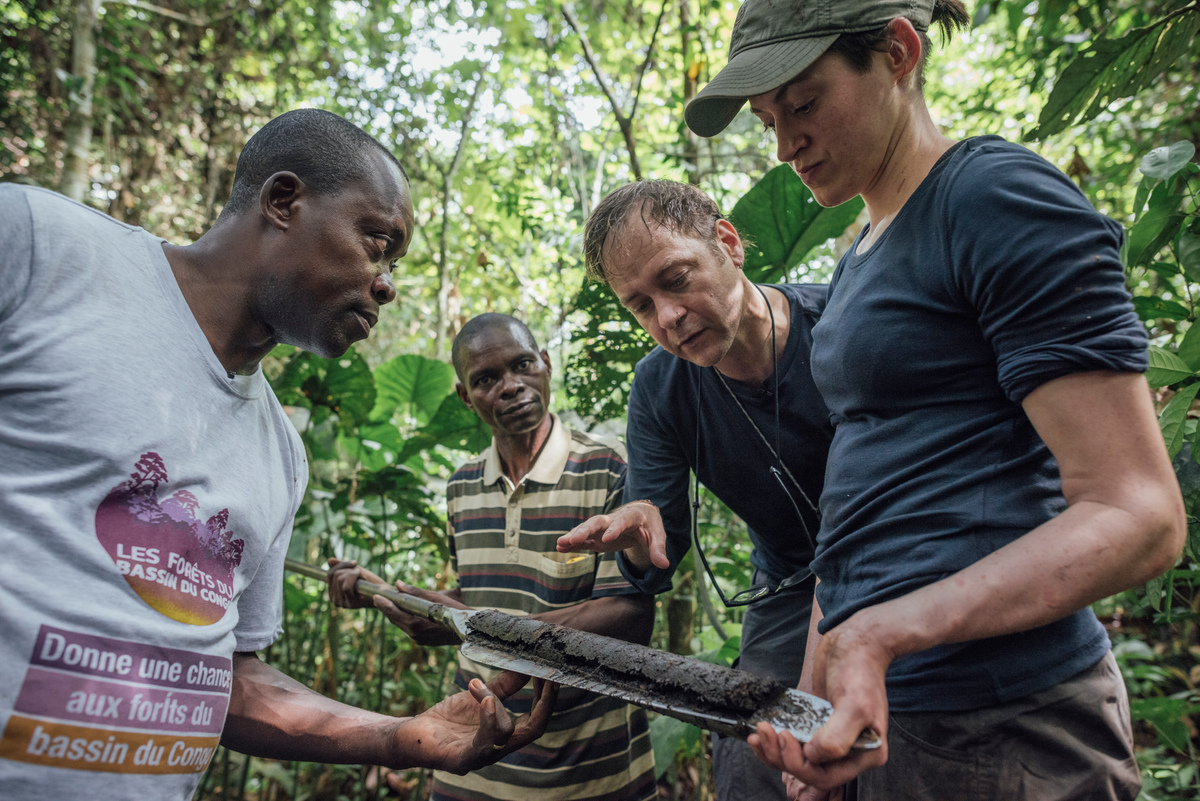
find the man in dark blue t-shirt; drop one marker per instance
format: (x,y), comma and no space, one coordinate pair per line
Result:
(729,395)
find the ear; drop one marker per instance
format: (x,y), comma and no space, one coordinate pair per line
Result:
(463,396)
(278,197)
(546,360)
(904,49)
(727,237)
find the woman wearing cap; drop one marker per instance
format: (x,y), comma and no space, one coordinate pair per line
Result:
(996,465)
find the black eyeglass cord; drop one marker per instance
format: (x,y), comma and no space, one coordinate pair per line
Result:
(777,471)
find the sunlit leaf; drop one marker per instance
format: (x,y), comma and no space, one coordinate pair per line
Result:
(1166,368)
(1112,69)
(1159,309)
(1163,162)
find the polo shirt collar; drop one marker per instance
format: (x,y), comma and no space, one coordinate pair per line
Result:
(550,462)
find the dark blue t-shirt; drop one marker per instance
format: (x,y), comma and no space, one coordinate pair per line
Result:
(996,276)
(734,461)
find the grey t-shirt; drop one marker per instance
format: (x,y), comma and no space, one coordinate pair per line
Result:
(146,502)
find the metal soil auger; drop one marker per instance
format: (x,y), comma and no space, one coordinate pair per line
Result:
(720,699)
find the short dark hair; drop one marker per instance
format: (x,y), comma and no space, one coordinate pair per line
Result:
(476,327)
(678,207)
(856,49)
(323,149)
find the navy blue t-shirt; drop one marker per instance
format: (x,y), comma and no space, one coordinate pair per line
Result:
(996,276)
(734,462)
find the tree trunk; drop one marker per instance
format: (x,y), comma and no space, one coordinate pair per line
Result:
(445,279)
(691,71)
(78,134)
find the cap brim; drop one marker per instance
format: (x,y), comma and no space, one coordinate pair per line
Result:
(749,73)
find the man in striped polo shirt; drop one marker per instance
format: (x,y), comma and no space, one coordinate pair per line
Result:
(506,510)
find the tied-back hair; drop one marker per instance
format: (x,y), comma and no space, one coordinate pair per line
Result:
(325,150)
(857,48)
(675,206)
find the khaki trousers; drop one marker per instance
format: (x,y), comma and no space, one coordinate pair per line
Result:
(1071,742)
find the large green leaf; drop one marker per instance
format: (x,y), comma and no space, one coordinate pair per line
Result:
(666,738)
(1112,69)
(375,445)
(1189,256)
(1189,348)
(1155,228)
(414,384)
(454,426)
(1163,162)
(1174,416)
(781,222)
(1166,368)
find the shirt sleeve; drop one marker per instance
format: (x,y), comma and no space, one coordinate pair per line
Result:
(1042,269)
(260,607)
(658,472)
(16,254)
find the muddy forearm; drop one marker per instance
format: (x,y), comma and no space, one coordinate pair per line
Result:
(276,717)
(625,617)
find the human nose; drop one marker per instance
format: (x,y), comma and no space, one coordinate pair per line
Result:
(383,289)
(509,385)
(789,141)
(669,315)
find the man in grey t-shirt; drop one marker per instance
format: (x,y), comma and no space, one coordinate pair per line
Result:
(145,462)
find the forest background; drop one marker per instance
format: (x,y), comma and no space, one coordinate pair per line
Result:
(513,118)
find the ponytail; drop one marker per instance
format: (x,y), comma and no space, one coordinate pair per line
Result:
(951,16)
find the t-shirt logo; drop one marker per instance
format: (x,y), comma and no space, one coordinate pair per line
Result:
(177,564)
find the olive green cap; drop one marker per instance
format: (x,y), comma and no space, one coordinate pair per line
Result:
(775,40)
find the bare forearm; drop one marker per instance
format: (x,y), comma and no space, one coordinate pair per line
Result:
(810,647)
(273,716)
(625,617)
(1089,552)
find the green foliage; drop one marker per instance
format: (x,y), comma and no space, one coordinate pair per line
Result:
(782,223)
(610,343)
(1112,69)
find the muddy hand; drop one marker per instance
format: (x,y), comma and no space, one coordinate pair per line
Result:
(342,577)
(848,669)
(471,729)
(635,528)
(421,630)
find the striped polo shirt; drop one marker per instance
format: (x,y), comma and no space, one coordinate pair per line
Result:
(502,545)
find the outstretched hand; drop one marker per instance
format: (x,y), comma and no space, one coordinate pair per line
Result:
(848,669)
(635,528)
(472,729)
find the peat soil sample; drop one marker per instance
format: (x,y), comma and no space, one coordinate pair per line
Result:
(652,678)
